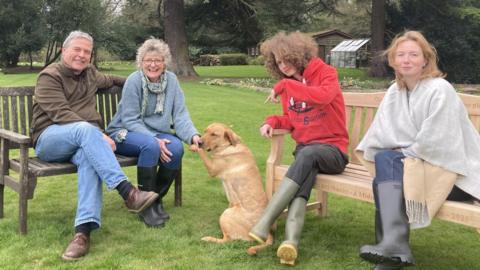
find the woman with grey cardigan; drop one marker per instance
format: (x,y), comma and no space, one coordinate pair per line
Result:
(151,123)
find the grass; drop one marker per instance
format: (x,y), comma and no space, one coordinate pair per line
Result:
(348,77)
(125,243)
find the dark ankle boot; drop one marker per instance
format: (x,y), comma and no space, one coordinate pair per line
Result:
(164,179)
(393,249)
(147,182)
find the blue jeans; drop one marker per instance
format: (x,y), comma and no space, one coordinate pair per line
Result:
(147,149)
(388,167)
(82,143)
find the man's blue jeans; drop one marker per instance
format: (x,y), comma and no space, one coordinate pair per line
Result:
(82,143)
(147,149)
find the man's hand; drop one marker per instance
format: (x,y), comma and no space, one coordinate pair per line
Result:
(165,154)
(272,97)
(110,142)
(266,131)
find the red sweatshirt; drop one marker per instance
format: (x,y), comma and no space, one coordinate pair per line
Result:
(313,110)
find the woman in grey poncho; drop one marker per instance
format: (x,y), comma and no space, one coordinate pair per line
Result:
(424,148)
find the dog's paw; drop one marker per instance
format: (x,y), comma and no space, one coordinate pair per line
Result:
(252,251)
(209,239)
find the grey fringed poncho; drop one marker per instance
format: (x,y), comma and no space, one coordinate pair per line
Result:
(432,124)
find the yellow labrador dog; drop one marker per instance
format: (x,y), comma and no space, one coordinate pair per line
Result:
(233,162)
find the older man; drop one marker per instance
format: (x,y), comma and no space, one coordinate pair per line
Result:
(66,127)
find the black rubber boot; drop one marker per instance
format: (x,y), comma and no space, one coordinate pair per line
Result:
(393,249)
(386,267)
(164,180)
(147,182)
(379,233)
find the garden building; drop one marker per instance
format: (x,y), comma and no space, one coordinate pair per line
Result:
(350,53)
(327,40)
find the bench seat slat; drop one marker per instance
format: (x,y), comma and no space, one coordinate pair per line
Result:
(41,168)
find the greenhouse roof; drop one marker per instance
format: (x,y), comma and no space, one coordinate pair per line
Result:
(350,45)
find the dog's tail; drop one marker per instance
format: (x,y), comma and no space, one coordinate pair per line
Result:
(253,250)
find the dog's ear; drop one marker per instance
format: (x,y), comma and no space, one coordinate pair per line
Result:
(232,137)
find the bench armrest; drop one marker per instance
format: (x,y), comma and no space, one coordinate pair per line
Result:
(276,146)
(280,132)
(274,159)
(14,136)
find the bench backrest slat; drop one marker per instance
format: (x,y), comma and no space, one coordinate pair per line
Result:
(361,107)
(15,116)
(23,124)
(16,107)
(6,112)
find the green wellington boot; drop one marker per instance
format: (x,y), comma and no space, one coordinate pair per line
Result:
(288,250)
(280,199)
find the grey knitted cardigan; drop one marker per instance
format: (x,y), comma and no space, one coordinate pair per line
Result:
(175,112)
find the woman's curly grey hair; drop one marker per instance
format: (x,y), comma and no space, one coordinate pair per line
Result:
(154,45)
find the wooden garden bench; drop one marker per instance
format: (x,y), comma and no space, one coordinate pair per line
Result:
(355,182)
(16,114)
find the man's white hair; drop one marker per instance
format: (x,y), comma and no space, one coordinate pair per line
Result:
(76,34)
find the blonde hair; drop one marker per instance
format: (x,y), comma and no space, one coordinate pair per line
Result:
(154,45)
(430,70)
(295,48)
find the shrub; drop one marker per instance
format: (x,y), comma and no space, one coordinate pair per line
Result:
(258,61)
(233,59)
(208,60)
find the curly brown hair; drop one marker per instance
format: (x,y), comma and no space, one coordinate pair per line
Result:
(295,48)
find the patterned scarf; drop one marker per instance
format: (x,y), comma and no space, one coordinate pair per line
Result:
(155,88)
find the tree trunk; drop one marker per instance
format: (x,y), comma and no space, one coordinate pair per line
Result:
(30,58)
(378,68)
(54,48)
(176,38)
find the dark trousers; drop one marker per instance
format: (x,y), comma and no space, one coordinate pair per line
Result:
(313,159)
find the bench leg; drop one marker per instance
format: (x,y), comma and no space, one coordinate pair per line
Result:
(2,189)
(322,198)
(178,188)
(22,212)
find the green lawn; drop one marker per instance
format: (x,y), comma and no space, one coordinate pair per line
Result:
(125,243)
(348,76)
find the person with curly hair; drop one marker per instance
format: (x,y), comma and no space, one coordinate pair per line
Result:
(314,113)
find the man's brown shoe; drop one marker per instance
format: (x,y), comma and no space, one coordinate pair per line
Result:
(77,248)
(139,200)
